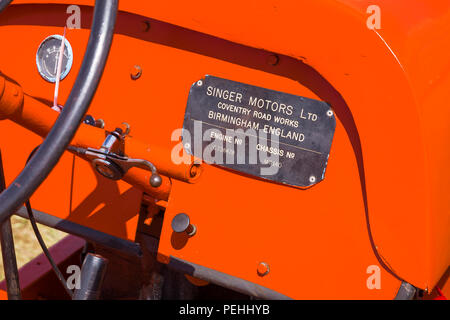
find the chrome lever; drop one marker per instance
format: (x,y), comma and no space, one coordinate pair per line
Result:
(111,162)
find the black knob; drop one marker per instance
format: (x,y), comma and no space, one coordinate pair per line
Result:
(181,223)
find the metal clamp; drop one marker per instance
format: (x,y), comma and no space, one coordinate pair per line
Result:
(111,162)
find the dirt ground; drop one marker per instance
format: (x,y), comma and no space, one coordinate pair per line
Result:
(25,242)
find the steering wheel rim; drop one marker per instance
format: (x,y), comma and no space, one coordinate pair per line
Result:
(4,4)
(65,127)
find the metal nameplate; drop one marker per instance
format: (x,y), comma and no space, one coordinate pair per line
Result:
(259,132)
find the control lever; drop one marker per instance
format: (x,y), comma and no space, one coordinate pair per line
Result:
(111,162)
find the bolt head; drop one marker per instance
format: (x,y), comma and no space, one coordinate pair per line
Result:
(263,269)
(273,59)
(105,171)
(195,169)
(100,123)
(135,72)
(145,26)
(312,179)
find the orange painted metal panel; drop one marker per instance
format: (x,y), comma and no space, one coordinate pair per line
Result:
(56,196)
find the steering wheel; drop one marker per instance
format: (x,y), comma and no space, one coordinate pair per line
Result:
(64,129)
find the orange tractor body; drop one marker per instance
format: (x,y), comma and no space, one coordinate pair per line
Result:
(383,203)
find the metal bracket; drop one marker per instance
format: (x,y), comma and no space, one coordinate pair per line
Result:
(111,162)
